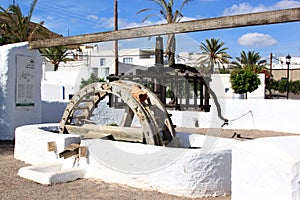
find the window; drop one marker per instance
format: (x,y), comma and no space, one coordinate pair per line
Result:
(102,61)
(127,60)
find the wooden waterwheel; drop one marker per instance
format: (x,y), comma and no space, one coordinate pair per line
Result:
(156,125)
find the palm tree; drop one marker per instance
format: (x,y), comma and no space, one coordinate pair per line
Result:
(16,27)
(214,52)
(171,16)
(250,60)
(56,55)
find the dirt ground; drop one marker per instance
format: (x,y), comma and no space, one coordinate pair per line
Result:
(14,187)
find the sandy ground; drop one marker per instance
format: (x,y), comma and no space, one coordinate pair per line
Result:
(14,187)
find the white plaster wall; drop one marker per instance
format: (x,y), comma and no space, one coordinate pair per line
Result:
(68,78)
(31,143)
(221,85)
(51,91)
(197,172)
(183,172)
(266,168)
(11,117)
(265,114)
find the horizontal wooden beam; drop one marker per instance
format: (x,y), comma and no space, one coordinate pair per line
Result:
(253,19)
(97,131)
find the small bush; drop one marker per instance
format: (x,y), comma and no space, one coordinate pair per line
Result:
(244,80)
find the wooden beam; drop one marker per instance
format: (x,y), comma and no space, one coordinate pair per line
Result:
(253,19)
(98,131)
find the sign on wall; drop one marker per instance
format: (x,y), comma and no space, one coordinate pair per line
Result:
(25,82)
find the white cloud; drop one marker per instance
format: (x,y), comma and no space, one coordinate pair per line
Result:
(243,8)
(256,40)
(246,7)
(92,17)
(187,19)
(108,23)
(287,4)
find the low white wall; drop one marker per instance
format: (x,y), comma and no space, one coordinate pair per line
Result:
(265,114)
(179,171)
(267,168)
(196,172)
(31,143)
(20,88)
(221,85)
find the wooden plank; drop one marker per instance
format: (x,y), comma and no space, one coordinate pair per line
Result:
(252,19)
(98,131)
(72,147)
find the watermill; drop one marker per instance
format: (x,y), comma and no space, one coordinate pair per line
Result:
(156,127)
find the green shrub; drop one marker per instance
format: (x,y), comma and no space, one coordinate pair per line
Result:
(244,80)
(281,86)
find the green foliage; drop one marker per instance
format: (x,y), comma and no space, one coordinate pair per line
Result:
(168,11)
(294,87)
(252,61)
(17,28)
(112,124)
(214,52)
(244,80)
(3,40)
(281,86)
(92,79)
(170,93)
(56,55)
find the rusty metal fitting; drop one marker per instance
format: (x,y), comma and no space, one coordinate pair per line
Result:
(139,94)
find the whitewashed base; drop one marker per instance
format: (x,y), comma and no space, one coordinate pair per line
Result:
(201,171)
(31,143)
(267,168)
(51,173)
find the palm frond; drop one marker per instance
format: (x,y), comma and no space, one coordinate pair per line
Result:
(32,7)
(143,10)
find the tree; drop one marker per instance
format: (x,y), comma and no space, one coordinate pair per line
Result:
(17,27)
(56,55)
(249,60)
(244,80)
(214,52)
(171,15)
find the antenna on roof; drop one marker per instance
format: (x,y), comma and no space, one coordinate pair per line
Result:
(14,2)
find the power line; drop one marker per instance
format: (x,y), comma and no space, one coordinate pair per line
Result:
(59,12)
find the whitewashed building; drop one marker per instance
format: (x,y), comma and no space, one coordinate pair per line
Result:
(280,68)
(104,60)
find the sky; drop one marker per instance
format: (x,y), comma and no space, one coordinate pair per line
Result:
(76,17)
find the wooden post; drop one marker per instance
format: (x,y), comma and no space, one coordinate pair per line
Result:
(195,92)
(159,52)
(116,41)
(159,89)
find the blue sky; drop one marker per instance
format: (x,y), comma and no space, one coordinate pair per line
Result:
(75,17)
